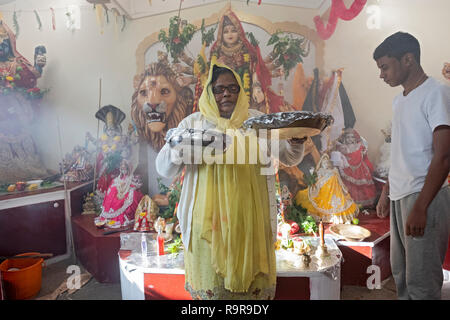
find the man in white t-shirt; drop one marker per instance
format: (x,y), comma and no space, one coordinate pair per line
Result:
(420,162)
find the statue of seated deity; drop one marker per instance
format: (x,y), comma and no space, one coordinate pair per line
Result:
(328,198)
(146,215)
(121,199)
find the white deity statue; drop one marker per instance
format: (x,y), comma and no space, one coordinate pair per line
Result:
(382,168)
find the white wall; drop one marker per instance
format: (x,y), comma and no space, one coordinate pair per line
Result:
(76,60)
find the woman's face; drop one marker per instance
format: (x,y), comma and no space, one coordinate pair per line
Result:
(226,100)
(230,35)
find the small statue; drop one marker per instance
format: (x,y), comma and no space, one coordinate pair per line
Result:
(160,225)
(40,60)
(112,147)
(77,166)
(122,198)
(356,170)
(328,198)
(382,169)
(146,214)
(286,196)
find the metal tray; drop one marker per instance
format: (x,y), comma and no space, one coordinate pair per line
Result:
(293,124)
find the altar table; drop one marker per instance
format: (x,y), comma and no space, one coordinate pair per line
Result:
(153,277)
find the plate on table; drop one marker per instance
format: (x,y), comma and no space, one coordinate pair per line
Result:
(350,232)
(293,124)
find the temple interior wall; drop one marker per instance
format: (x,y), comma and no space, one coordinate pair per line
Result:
(77,60)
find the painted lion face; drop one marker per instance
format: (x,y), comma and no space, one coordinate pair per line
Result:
(159,103)
(157,97)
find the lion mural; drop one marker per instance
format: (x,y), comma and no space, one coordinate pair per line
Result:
(159,103)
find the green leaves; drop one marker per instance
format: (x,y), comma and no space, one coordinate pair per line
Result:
(287,51)
(179,35)
(310,178)
(174,193)
(252,39)
(113,160)
(162,188)
(175,247)
(299,215)
(202,64)
(207,36)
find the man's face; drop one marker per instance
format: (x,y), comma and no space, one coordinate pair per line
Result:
(157,99)
(392,71)
(226,100)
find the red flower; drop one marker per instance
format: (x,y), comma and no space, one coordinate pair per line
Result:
(176,40)
(286,57)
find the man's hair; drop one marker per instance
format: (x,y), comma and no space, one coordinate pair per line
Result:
(217,71)
(397,45)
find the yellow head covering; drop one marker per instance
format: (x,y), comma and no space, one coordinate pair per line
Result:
(208,106)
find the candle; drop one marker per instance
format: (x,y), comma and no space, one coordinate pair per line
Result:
(160,245)
(321,234)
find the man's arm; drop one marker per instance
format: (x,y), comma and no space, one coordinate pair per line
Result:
(437,173)
(383,203)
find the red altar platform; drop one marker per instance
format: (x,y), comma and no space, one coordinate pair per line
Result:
(375,250)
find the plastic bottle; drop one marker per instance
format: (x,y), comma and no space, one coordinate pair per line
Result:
(143,246)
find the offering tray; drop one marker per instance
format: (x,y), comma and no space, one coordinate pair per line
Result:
(196,137)
(349,232)
(293,124)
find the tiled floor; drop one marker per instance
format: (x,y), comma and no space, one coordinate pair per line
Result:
(53,275)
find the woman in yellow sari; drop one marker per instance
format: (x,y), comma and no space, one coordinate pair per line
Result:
(227,211)
(328,199)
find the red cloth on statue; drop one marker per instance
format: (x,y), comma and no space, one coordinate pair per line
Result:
(357,173)
(121,207)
